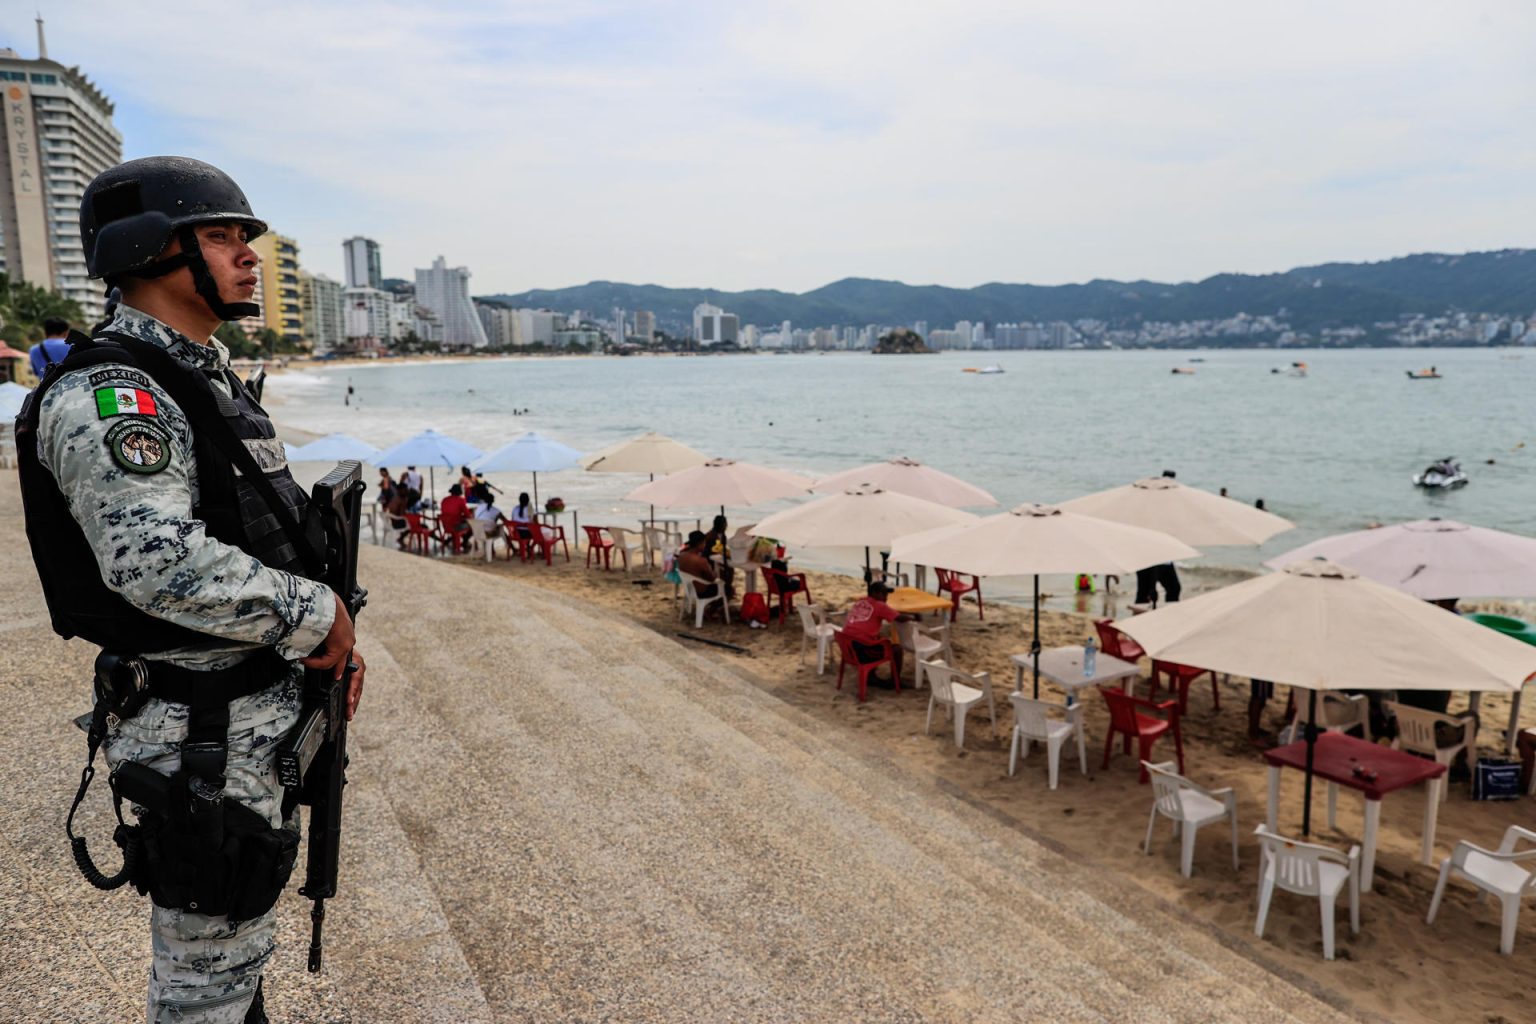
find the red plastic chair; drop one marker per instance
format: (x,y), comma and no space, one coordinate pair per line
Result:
(1126,720)
(1116,644)
(1179,678)
(847,657)
(418,535)
(541,540)
(599,545)
(950,583)
(774,579)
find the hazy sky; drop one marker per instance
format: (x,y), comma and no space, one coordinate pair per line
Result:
(785,145)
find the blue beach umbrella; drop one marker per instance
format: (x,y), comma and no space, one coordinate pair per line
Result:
(336,448)
(431,449)
(11,397)
(530,453)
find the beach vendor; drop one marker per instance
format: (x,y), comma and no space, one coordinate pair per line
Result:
(865,621)
(157,494)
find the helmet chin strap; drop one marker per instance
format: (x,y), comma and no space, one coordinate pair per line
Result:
(207,287)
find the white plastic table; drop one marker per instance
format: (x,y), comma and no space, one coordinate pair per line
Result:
(1064,667)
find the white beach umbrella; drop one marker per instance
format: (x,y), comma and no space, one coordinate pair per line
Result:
(1432,559)
(910,477)
(1188,513)
(654,454)
(530,453)
(431,449)
(335,448)
(1037,540)
(1319,626)
(720,482)
(861,517)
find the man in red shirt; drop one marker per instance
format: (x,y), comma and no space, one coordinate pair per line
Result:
(863,625)
(453,516)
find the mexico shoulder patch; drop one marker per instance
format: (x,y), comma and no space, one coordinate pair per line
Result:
(123,401)
(139,446)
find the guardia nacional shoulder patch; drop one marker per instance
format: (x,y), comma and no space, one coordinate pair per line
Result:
(139,446)
(123,401)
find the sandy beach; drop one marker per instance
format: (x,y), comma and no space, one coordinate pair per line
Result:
(558,811)
(1397,966)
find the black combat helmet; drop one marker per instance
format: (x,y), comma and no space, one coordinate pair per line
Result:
(130,213)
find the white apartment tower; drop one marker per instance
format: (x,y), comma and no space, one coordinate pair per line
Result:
(58,135)
(445,291)
(364,269)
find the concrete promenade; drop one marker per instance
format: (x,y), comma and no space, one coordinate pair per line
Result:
(555,815)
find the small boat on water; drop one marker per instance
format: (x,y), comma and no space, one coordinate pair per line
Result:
(1429,374)
(1184,369)
(994,368)
(1298,369)
(1442,475)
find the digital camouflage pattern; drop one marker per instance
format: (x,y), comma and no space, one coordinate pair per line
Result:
(134,504)
(150,549)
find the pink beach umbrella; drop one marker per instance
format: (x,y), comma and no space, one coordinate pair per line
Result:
(720,482)
(910,477)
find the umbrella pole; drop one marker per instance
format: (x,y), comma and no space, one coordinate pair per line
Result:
(653,507)
(1034,641)
(868,573)
(1306,807)
(535,490)
(432,483)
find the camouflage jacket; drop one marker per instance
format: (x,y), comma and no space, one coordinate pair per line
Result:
(122,454)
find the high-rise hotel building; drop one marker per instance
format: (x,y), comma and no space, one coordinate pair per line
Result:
(58,135)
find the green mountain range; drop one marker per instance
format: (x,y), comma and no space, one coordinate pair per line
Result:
(1332,294)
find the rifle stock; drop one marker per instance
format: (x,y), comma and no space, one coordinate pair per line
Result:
(313,758)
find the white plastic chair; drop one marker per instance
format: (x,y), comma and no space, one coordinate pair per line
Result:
(700,605)
(1416,734)
(1033,722)
(1507,873)
(1188,806)
(625,542)
(485,537)
(657,542)
(925,644)
(739,544)
(1336,712)
(814,626)
(959,692)
(1308,869)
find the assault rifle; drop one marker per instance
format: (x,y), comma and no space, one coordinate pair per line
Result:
(312,761)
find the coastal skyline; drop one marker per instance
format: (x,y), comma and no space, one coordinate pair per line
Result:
(789,145)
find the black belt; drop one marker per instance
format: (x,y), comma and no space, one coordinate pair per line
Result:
(199,688)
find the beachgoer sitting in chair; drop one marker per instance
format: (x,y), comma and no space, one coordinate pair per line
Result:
(864,622)
(522,515)
(717,547)
(693,561)
(453,518)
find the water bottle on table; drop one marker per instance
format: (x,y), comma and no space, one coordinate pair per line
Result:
(1090,657)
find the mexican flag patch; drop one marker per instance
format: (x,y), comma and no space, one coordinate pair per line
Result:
(122,401)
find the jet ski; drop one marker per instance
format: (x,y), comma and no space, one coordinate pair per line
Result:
(1445,474)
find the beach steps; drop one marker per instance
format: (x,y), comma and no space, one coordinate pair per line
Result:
(556,815)
(617,828)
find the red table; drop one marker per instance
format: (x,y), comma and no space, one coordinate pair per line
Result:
(1335,759)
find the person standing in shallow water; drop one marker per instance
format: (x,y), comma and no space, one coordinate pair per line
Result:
(195,583)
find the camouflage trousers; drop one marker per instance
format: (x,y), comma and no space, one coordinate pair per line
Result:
(205,969)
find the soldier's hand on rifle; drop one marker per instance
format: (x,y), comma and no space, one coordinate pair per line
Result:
(355,690)
(337,644)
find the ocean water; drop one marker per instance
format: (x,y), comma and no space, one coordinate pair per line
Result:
(1332,452)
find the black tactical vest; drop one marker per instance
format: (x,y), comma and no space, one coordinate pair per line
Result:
(79,602)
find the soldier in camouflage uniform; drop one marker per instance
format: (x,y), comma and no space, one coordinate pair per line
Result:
(122,453)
